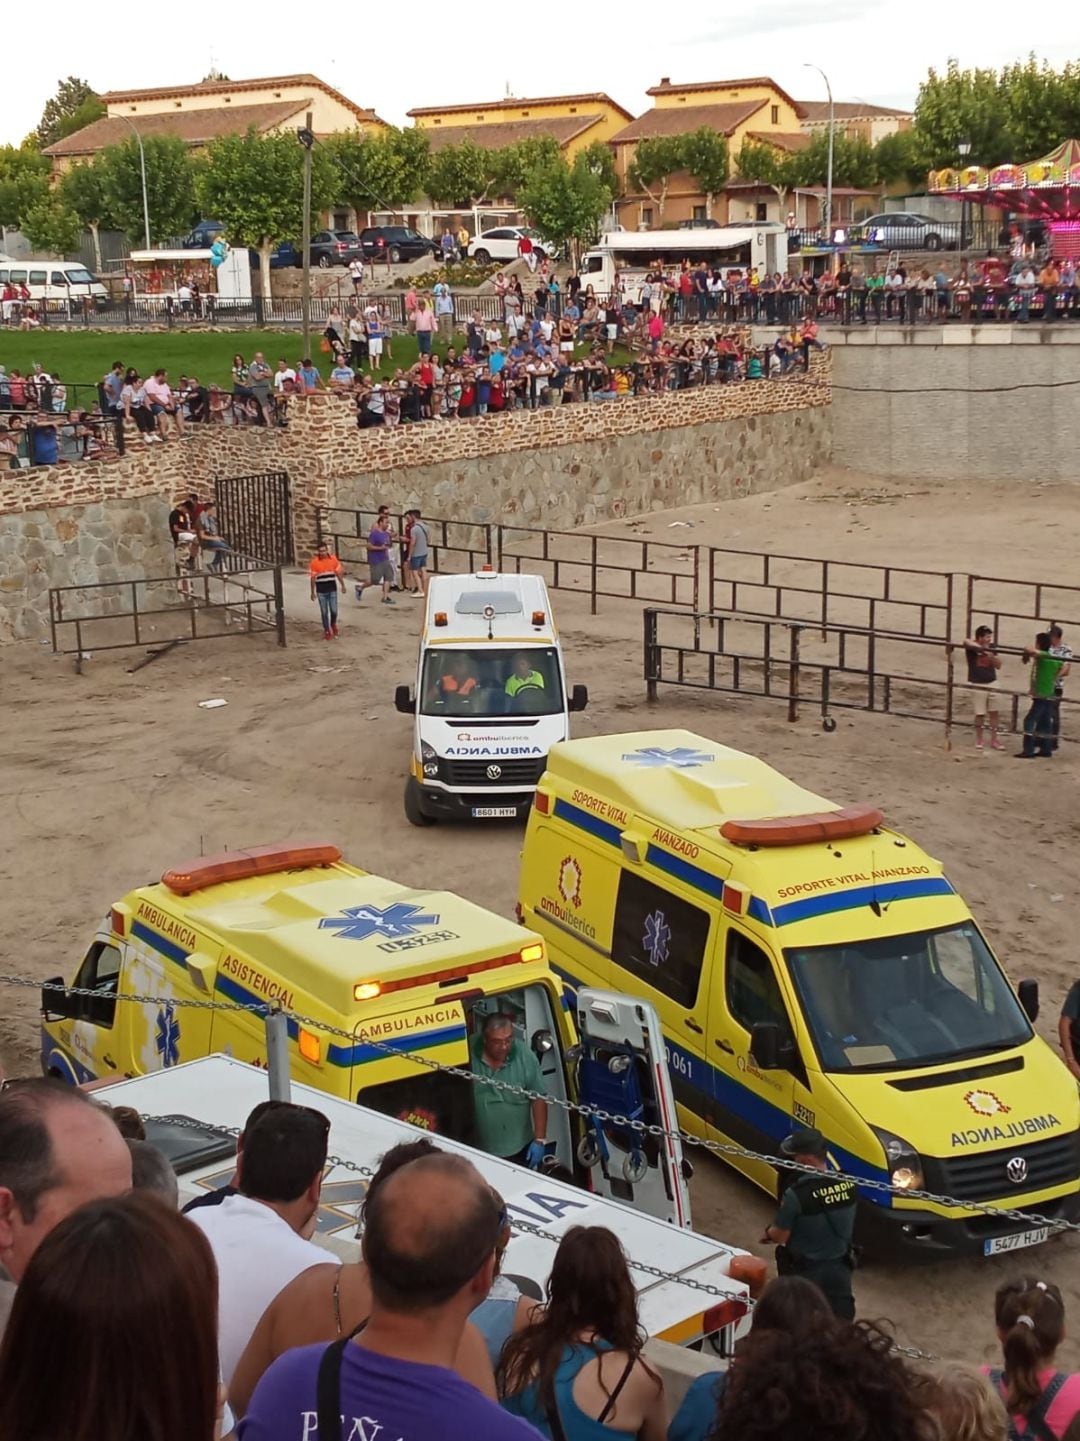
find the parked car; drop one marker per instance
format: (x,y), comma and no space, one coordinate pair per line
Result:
(905,230)
(334,247)
(699,225)
(283,256)
(396,243)
(203,235)
(502,244)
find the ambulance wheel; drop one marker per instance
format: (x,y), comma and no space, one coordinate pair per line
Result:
(635,1168)
(588,1152)
(828,725)
(413,812)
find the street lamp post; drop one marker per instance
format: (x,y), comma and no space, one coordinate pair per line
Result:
(832,128)
(142,171)
(964,148)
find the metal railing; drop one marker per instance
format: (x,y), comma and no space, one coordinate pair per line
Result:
(831,667)
(39,438)
(247,595)
(1016,609)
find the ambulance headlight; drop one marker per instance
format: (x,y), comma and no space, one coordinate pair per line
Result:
(428,753)
(431,769)
(901,1161)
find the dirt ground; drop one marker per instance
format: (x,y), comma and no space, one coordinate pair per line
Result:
(107,778)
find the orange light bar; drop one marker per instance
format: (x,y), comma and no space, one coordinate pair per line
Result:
(440,617)
(798,830)
(538,617)
(185,880)
(463,971)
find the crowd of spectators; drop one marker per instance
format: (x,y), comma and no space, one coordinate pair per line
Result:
(180,1327)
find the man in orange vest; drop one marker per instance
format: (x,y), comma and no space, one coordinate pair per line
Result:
(326,576)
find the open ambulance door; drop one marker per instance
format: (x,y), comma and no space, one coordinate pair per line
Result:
(622,1069)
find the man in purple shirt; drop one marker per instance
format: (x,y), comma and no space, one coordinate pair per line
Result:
(430,1233)
(379,541)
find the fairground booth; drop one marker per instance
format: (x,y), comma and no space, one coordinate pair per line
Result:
(1045,190)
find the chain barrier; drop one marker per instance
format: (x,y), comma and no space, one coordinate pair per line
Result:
(723,1149)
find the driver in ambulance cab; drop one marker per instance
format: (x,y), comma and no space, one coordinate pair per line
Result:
(523,677)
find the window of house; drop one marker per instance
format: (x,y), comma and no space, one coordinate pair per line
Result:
(774,114)
(524,115)
(646,216)
(659,938)
(761,211)
(228,99)
(178,104)
(99,972)
(699,213)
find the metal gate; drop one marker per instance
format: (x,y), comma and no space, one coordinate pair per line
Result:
(255,516)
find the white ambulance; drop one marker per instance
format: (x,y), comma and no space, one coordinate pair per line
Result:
(194,1111)
(491,698)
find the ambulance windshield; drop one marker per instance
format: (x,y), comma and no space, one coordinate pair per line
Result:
(918,999)
(492,682)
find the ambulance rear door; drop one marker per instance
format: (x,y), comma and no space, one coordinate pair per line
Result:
(621,1069)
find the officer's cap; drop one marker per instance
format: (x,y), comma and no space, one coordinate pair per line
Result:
(805,1142)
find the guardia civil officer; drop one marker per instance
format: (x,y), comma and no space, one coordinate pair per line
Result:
(814,1224)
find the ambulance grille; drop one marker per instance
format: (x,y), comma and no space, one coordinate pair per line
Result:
(986,1176)
(524,773)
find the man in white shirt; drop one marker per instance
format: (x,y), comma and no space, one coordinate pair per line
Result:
(1025,284)
(258,1235)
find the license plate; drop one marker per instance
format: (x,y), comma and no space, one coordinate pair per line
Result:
(494,813)
(998,1244)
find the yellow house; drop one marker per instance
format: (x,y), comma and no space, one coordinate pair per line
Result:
(737,109)
(214,107)
(857,119)
(575,121)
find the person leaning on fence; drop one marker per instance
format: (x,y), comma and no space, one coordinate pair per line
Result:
(326,577)
(1046,670)
(983,664)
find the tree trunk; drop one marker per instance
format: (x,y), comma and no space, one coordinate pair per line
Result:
(95,233)
(663,197)
(265,247)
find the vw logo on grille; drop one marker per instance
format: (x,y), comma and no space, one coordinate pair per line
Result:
(494,772)
(1016,1169)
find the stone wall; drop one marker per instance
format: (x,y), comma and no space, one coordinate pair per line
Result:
(958,402)
(560,467)
(81,544)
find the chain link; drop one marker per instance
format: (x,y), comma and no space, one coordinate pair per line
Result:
(723,1149)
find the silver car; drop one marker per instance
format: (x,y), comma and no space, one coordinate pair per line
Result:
(905,230)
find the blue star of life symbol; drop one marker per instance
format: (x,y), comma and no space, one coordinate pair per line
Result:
(657,938)
(356,923)
(683,758)
(167,1041)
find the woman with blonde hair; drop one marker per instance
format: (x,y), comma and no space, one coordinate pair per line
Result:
(964,1404)
(1030,1319)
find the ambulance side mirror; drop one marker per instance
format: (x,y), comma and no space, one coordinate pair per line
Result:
(765,1045)
(403,700)
(56,1003)
(1028,993)
(579,697)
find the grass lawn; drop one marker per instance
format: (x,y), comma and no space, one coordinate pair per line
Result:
(82,358)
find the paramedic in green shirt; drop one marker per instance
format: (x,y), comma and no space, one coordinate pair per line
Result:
(508,1125)
(523,677)
(814,1224)
(1039,721)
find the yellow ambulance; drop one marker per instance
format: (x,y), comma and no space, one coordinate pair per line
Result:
(407,975)
(810,967)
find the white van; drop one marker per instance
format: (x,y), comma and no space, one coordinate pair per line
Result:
(53,282)
(491,698)
(628,255)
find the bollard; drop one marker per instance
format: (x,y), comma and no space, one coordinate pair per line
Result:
(277,1054)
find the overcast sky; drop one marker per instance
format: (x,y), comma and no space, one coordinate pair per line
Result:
(438,54)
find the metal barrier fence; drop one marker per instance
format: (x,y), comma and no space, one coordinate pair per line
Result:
(45,438)
(168,610)
(597,566)
(800,588)
(1016,609)
(831,667)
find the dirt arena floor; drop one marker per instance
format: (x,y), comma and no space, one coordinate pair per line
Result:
(106,778)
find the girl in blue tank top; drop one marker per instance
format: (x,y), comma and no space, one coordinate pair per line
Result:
(576,1371)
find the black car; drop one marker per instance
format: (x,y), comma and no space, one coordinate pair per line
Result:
(396,243)
(335,247)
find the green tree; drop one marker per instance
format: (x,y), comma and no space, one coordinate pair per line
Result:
(170,186)
(460,175)
(52,226)
(899,157)
(24,182)
(705,157)
(962,106)
(82,191)
(379,171)
(512,165)
(73,106)
(566,202)
(254,184)
(769,165)
(601,161)
(656,160)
